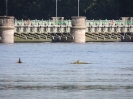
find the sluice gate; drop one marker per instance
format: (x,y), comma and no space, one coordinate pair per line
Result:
(42,30)
(60,30)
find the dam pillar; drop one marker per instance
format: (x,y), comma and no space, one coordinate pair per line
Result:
(6,29)
(78,29)
(131,39)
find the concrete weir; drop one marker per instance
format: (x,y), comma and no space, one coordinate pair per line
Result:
(6,29)
(78,29)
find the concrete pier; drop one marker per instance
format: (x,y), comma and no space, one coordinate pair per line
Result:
(131,39)
(6,29)
(78,29)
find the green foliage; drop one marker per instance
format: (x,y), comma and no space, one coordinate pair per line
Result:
(45,9)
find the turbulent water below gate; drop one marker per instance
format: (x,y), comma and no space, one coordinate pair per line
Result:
(47,72)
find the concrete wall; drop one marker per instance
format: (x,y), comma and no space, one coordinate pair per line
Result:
(78,29)
(6,29)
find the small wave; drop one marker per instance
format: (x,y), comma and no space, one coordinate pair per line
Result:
(64,87)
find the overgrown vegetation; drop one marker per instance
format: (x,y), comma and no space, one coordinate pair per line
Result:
(45,9)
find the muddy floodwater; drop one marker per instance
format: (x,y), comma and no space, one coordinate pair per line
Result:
(46,71)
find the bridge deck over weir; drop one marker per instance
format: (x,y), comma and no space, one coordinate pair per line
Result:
(53,30)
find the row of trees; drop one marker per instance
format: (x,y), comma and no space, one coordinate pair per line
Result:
(45,9)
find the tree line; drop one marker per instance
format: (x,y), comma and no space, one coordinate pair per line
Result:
(45,9)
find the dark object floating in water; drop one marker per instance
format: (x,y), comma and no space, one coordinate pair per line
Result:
(19,61)
(78,62)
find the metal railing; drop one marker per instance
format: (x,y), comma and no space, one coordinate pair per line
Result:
(42,22)
(68,22)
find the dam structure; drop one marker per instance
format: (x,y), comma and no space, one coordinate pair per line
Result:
(59,30)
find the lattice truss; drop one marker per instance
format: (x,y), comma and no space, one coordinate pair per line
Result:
(109,32)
